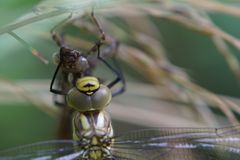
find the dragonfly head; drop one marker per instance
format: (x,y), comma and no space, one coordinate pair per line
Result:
(88,95)
(72,60)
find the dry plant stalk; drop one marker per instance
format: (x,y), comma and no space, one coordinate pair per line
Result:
(151,57)
(17,90)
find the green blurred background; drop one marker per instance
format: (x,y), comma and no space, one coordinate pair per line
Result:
(23,123)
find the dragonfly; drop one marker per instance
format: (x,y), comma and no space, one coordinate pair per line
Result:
(73,64)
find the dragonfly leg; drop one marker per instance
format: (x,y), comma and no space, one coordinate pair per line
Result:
(99,27)
(55,36)
(61,92)
(62,84)
(102,34)
(116,69)
(112,47)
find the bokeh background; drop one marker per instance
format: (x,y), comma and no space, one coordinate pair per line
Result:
(26,110)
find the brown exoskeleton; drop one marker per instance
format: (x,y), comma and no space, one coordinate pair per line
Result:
(75,64)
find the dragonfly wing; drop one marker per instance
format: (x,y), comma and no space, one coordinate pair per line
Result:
(179,144)
(42,151)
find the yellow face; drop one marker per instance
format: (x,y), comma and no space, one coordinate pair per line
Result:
(88,85)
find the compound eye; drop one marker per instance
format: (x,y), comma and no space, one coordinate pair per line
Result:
(88,85)
(82,63)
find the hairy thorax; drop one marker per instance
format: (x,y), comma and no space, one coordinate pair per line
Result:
(93,131)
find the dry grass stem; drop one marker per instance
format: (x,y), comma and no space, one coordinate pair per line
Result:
(142,48)
(35,99)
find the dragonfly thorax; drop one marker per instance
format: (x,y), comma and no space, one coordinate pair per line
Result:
(90,124)
(94,133)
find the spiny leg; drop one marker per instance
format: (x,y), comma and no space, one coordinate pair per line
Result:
(121,78)
(60,42)
(99,27)
(116,70)
(102,37)
(56,37)
(112,47)
(61,92)
(59,100)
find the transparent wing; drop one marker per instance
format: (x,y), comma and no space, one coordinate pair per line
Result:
(179,144)
(54,149)
(148,144)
